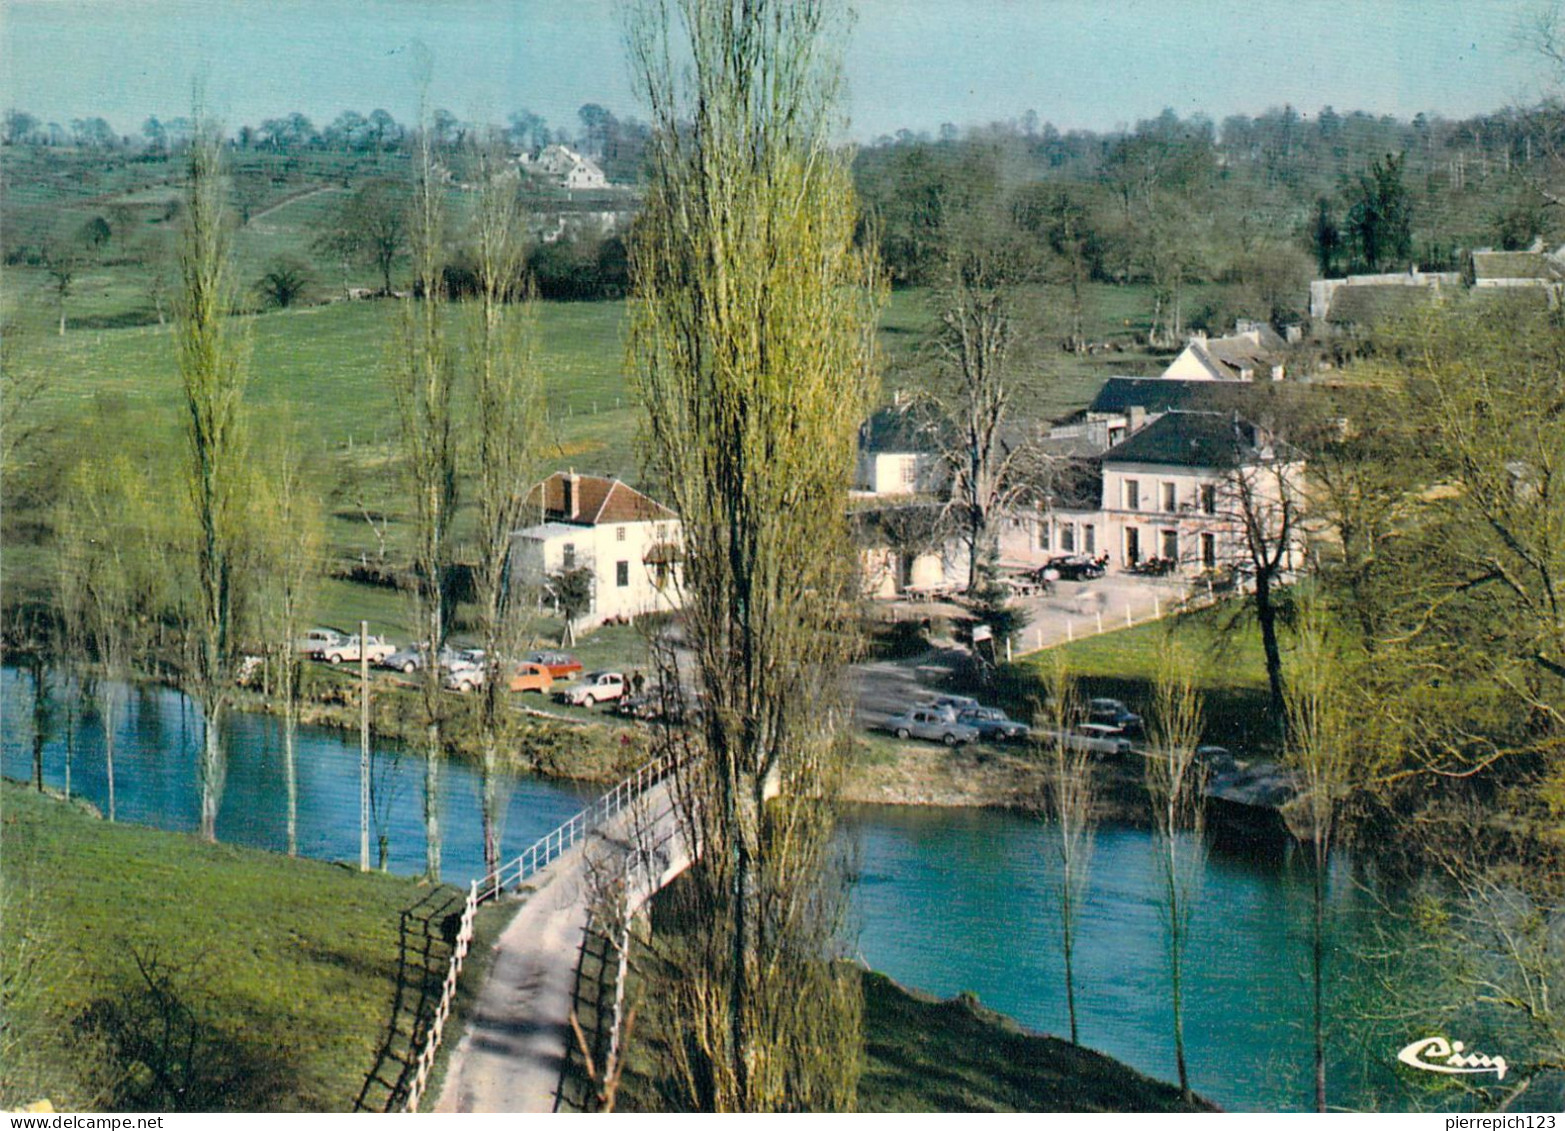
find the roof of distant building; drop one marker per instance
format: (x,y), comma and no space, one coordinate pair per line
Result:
(918,426)
(1191,439)
(598,501)
(1155,394)
(1515,265)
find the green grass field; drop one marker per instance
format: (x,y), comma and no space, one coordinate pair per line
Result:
(281,973)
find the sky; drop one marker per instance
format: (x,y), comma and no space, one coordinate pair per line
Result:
(1093,64)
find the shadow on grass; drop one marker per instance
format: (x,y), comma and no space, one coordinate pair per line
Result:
(426,933)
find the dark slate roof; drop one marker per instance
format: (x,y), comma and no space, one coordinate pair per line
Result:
(1189,439)
(916,427)
(1155,394)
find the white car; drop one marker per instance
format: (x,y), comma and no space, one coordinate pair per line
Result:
(462,677)
(316,641)
(595,687)
(346,650)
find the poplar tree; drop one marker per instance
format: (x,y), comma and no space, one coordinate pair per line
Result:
(212,374)
(505,403)
(752,339)
(423,380)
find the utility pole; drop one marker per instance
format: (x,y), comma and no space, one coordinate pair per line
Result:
(364,746)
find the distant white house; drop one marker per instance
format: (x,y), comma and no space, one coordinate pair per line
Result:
(629,542)
(1253,352)
(901,452)
(567,167)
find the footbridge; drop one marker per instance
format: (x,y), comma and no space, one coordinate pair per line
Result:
(512,1057)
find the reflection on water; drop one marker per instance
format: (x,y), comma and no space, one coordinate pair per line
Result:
(946,900)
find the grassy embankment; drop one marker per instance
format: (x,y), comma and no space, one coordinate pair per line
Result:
(268,984)
(281,974)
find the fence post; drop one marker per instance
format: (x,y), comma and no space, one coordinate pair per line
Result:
(1157,608)
(1100,620)
(1070,632)
(1128,622)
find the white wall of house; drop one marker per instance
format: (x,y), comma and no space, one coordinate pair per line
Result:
(1191,515)
(899,473)
(887,574)
(625,584)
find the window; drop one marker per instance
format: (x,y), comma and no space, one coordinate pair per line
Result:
(619,534)
(1043,534)
(909,472)
(1209,551)
(1208,498)
(1132,495)
(568,556)
(1132,545)
(1089,539)
(1067,538)
(1171,545)
(622,574)
(1170,498)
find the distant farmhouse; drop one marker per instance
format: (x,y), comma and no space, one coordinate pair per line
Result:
(629,542)
(1367,299)
(902,451)
(566,167)
(1253,352)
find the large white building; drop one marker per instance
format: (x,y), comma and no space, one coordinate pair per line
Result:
(629,542)
(1182,489)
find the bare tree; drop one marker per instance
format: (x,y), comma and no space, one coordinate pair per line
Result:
(212,374)
(1071,801)
(752,336)
(505,403)
(423,381)
(973,344)
(1174,784)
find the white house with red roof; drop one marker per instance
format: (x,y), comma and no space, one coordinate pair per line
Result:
(629,542)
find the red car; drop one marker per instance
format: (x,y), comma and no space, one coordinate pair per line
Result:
(561,665)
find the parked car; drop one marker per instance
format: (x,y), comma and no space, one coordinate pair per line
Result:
(932,723)
(316,641)
(594,688)
(561,665)
(1082,739)
(528,676)
(1217,760)
(955,704)
(1071,567)
(993,723)
(346,650)
(462,677)
(1114,713)
(411,659)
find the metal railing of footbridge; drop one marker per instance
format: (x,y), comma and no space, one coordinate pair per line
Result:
(511,876)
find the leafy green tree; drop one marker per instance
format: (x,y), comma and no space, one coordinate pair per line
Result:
(213,379)
(283,282)
(1380,215)
(752,340)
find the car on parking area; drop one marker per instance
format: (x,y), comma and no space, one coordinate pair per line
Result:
(955,704)
(561,665)
(594,688)
(316,641)
(1114,713)
(1082,739)
(346,650)
(930,723)
(527,676)
(463,677)
(1070,567)
(993,723)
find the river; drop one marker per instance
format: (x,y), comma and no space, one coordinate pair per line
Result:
(945,900)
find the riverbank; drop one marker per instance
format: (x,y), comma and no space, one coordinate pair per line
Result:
(279,977)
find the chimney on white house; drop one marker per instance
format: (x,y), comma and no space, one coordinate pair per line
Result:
(572,494)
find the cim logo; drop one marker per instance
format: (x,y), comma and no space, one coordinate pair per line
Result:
(1436,1054)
